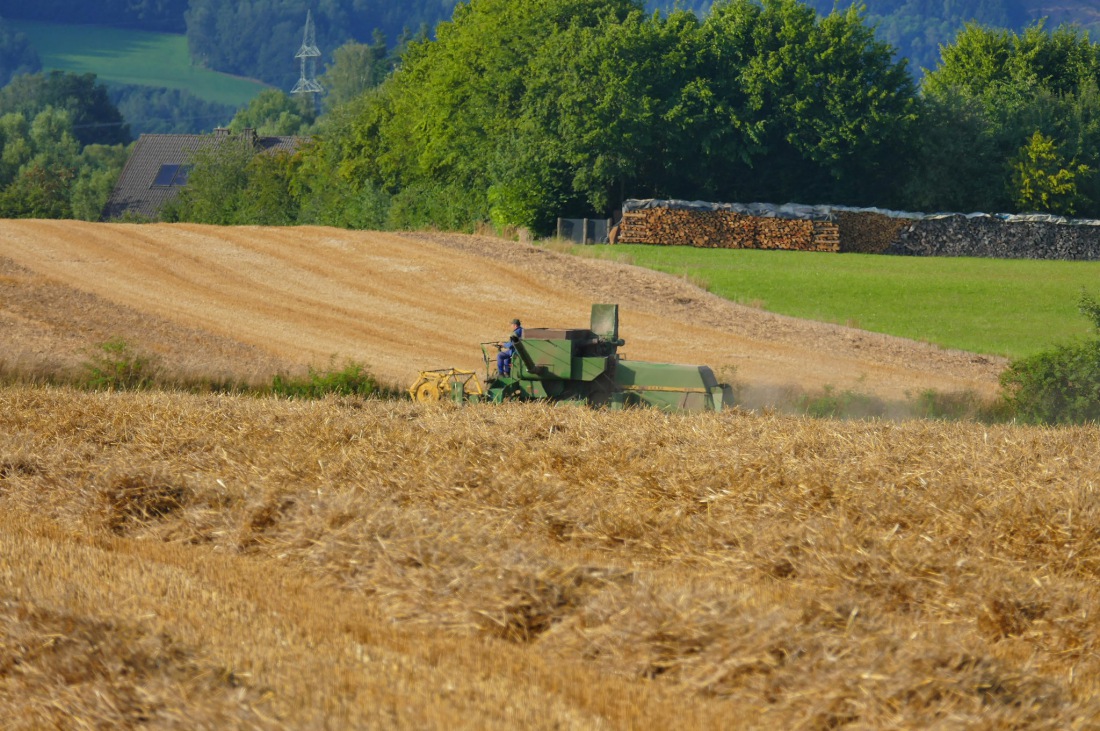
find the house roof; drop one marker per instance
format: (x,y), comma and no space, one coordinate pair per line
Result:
(158,165)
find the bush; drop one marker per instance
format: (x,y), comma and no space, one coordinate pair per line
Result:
(1059,386)
(115,366)
(831,404)
(959,406)
(352,380)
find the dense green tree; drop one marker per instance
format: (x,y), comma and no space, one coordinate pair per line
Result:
(355,68)
(234,183)
(1043,181)
(44,173)
(615,106)
(97,172)
(518,111)
(327,190)
(955,164)
(95,119)
(15,145)
(268,198)
(1012,86)
(822,110)
(450,120)
(273,112)
(783,105)
(52,138)
(988,63)
(521,110)
(215,190)
(38,192)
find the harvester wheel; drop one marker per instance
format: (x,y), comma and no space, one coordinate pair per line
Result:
(428,392)
(446,383)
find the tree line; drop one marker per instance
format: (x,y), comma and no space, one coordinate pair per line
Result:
(258,38)
(522,110)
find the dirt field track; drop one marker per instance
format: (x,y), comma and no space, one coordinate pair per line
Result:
(247,300)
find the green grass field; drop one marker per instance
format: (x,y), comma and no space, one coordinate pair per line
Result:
(1003,307)
(133,57)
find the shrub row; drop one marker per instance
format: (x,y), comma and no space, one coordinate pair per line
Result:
(1060,386)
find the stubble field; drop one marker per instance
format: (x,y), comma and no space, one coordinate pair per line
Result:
(180,561)
(172,560)
(244,301)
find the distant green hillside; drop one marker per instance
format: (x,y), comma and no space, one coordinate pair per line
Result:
(258,38)
(133,57)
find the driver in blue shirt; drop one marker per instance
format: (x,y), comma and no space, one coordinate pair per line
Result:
(504,357)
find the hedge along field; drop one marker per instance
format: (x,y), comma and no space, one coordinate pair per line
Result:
(178,561)
(133,57)
(1003,307)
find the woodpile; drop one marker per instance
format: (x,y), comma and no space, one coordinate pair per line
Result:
(681,227)
(993,237)
(865,232)
(857,230)
(826,235)
(719,229)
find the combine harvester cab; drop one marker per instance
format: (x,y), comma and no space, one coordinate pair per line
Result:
(580,366)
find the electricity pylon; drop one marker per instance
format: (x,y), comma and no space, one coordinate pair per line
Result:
(308,54)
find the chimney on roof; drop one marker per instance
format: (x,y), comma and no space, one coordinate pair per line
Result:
(221,133)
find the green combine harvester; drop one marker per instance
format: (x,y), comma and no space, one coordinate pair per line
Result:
(578,366)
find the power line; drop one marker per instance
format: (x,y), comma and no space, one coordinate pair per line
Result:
(191,118)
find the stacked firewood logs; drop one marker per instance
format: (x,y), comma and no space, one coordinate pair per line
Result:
(680,227)
(865,232)
(988,236)
(725,230)
(826,236)
(858,230)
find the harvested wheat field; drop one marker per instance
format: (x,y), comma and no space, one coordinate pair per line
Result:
(205,561)
(213,561)
(249,302)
